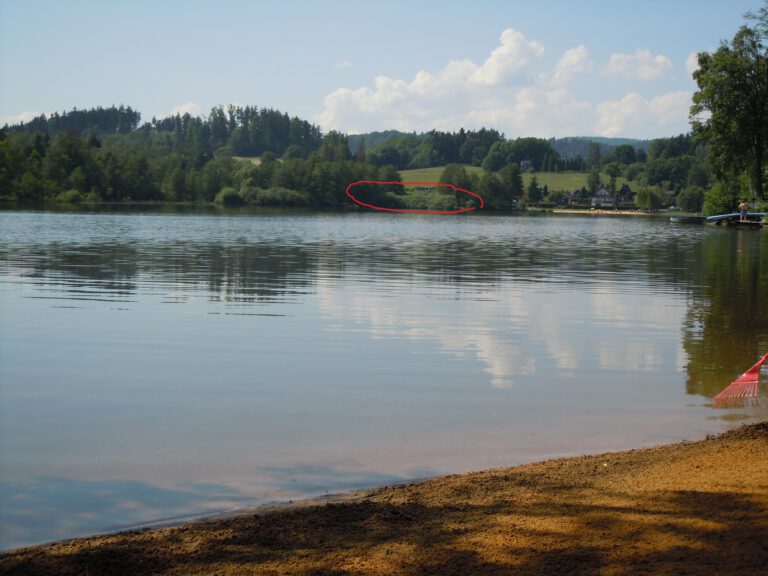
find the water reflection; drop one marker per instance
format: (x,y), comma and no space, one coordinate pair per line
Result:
(588,275)
(627,270)
(56,508)
(148,357)
(726,327)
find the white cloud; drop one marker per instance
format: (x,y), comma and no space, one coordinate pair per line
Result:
(692,62)
(633,112)
(536,111)
(513,92)
(395,103)
(641,65)
(615,114)
(466,94)
(669,108)
(343,64)
(18,118)
(345,108)
(191,108)
(450,79)
(574,61)
(515,53)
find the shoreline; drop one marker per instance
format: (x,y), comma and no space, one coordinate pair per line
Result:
(699,507)
(602,212)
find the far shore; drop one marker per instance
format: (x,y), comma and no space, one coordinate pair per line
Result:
(687,508)
(602,212)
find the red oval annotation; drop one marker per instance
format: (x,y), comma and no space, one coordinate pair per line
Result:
(409,211)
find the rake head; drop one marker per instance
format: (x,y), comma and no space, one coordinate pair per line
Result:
(741,389)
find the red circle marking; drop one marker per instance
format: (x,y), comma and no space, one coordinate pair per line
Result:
(408,211)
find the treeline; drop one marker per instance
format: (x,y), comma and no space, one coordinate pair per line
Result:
(147,166)
(674,171)
(411,150)
(105,154)
(247,131)
(487,148)
(434,148)
(573,146)
(113,120)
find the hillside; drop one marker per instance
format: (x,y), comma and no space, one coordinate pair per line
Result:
(573,146)
(568,147)
(554,181)
(372,139)
(106,154)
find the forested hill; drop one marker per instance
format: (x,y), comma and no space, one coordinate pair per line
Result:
(373,139)
(108,154)
(111,120)
(406,150)
(248,131)
(574,146)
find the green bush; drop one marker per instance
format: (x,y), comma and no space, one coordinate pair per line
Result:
(228,196)
(439,200)
(275,196)
(720,199)
(92,197)
(691,199)
(393,199)
(71,196)
(649,198)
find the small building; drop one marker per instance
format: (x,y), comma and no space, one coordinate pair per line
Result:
(577,196)
(602,199)
(626,195)
(526,165)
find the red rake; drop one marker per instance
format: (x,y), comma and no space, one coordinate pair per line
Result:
(745,386)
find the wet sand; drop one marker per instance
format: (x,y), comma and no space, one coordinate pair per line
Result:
(687,508)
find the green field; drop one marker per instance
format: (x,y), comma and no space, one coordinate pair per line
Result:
(252,159)
(432,174)
(554,181)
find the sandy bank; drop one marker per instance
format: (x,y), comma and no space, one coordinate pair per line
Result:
(689,508)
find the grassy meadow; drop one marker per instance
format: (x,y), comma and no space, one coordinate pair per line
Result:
(255,160)
(554,181)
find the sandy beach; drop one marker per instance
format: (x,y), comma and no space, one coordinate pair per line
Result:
(688,508)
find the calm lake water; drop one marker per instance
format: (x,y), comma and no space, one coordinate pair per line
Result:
(160,364)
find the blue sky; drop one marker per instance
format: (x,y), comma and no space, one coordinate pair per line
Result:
(544,68)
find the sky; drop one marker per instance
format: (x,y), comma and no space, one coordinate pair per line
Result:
(545,68)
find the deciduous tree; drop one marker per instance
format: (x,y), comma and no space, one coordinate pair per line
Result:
(730,109)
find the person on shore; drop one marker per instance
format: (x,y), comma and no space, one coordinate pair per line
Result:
(743,209)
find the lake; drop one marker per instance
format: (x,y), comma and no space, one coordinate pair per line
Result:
(164,364)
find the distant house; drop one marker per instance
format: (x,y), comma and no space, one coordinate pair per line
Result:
(576,197)
(626,195)
(602,199)
(526,165)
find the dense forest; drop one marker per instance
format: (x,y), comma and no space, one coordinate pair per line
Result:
(248,155)
(106,155)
